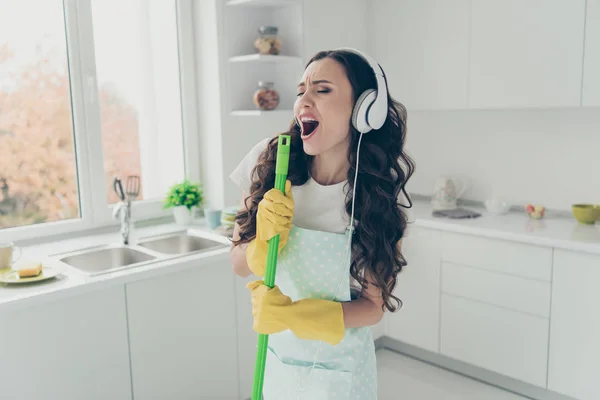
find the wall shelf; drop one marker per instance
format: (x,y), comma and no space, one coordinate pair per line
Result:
(245,67)
(262,3)
(264,58)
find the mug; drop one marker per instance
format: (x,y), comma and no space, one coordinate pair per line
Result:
(6,254)
(213,217)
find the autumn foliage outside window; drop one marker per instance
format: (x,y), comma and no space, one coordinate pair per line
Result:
(38,160)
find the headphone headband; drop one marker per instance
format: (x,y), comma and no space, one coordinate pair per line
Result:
(368,113)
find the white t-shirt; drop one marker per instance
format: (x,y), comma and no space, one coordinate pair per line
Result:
(316,207)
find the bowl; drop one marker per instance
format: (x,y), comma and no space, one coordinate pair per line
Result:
(535,211)
(497,206)
(586,213)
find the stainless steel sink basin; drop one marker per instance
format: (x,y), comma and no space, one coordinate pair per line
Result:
(104,259)
(180,243)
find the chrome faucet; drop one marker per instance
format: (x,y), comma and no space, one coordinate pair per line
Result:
(122,210)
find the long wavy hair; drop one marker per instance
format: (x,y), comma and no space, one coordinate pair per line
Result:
(384,169)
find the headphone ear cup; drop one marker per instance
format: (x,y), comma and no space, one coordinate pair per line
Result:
(361,108)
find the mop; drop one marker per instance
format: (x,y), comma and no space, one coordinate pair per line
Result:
(281,171)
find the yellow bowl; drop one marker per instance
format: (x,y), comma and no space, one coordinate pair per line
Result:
(586,213)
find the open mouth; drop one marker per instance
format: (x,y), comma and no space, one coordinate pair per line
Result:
(309,126)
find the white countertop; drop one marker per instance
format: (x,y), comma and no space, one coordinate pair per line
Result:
(72,281)
(551,231)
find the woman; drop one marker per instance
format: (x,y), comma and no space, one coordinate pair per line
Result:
(332,282)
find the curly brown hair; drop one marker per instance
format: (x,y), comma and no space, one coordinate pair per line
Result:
(384,169)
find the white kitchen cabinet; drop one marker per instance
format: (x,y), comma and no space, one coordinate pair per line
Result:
(182,331)
(495,338)
(574,365)
(495,255)
(70,349)
(417,322)
(528,296)
(423,46)
(526,53)
(247,338)
(591,64)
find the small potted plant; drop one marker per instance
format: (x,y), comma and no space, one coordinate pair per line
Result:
(182,198)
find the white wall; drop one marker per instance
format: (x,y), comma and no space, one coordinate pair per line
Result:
(324,28)
(541,156)
(544,156)
(549,157)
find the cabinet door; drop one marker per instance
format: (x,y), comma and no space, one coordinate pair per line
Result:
(423,47)
(247,338)
(591,66)
(69,349)
(575,329)
(417,322)
(182,334)
(498,339)
(526,53)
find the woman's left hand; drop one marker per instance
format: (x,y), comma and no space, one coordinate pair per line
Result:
(311,319)
(267,305)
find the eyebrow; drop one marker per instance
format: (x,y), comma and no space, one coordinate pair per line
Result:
(315,82)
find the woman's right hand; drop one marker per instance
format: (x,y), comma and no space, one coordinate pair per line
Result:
(274,217)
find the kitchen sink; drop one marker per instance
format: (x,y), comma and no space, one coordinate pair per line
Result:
(180,243)
(105,259)
(109,258)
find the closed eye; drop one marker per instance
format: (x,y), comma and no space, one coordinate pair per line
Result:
(318,91)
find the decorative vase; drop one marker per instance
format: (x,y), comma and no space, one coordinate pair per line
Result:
(182,215)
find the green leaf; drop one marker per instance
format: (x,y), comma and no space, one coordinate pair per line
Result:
(184,194)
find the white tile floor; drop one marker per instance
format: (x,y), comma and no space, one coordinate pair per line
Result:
(404,378)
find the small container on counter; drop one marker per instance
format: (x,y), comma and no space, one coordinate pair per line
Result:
(267,42)
(265,97)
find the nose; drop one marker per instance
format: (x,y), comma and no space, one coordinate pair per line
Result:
(305,100)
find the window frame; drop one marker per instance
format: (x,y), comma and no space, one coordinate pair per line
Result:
(94,209)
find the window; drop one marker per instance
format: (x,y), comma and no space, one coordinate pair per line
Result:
(138,83)
(38,171)
(89,91)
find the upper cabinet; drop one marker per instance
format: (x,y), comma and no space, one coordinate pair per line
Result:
(488,54)
(526,53)
(591,65)
(423,47)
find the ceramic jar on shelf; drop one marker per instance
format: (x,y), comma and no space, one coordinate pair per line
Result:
(266,97)
(267,42)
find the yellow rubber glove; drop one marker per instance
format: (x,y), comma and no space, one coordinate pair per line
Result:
(275,215)
(311,319)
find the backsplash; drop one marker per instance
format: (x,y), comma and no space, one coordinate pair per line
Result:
(549,157)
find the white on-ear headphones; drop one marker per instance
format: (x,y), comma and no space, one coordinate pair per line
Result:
(371,108)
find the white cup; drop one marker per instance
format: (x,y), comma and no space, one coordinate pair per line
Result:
(7,258)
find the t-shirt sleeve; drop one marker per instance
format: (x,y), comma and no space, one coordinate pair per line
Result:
(241,175)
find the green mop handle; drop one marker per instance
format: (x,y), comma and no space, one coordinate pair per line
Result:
(281,171)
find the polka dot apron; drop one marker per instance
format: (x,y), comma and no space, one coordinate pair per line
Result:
(312,265)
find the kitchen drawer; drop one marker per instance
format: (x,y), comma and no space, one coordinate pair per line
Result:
(500,340)
(514,258)
(509,291)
